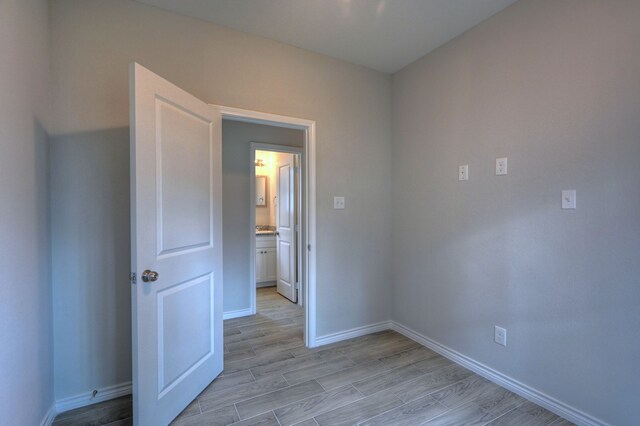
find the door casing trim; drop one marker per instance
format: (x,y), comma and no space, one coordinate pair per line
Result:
(309,206)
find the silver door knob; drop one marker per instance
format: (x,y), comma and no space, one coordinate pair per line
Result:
(150,276)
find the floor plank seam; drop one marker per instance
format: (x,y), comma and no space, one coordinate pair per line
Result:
(253,376)
(276,416)
(235,407)
(383,413)
(285,379)
(504,414)
(447,411)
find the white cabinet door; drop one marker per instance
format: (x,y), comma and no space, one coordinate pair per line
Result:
(176,232)
(260,266)
(266,264)
(270,262)
(265,258)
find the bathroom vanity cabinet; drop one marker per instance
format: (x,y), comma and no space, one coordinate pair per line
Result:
(265,258)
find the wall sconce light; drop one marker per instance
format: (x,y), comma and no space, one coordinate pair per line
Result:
(259,163)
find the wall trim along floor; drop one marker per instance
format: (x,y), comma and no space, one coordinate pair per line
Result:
(237,313)
(533,395)
(527,392)
(87,398)
(354,332)
(49,416)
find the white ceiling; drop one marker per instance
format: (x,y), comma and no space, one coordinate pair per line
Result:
(385,35)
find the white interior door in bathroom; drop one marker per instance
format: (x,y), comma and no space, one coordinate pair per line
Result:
(285,226)
(176,246)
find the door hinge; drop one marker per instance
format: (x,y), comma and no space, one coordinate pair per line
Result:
(133,277)
(309,247)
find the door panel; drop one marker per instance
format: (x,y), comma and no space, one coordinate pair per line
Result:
(184,342)
(284,267)
(176,212)
(285,227)
(183,156)
(284,192)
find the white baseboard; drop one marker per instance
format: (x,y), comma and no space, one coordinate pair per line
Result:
(86,398)
(350,334)
(570,413)
(237,314)
(49,417)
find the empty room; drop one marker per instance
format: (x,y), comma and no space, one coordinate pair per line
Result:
(319,212)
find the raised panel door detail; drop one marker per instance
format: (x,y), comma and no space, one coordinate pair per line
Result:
(184,181)
(284,196)
(284,263)
(184,341)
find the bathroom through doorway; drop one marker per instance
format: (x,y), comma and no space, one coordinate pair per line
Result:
(278,216)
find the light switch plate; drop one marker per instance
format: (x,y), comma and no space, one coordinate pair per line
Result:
(569,199)
(501,166)
(463,172)
(338,203)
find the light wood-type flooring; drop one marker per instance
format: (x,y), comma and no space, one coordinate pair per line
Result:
(384,378)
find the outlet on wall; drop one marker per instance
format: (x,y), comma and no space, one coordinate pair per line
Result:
(501,166)
(500,335)
(463,172)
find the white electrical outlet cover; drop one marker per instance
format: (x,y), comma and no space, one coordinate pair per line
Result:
(500,335)
(338,203)
(463,172)
(501,166)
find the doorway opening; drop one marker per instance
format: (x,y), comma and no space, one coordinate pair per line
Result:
(299,244)
(277,192)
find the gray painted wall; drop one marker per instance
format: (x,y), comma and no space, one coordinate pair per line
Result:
(26,364)
(92,43)
(554,86)
(236,166)
(91,258)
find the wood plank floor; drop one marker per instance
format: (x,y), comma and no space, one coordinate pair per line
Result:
(270,378)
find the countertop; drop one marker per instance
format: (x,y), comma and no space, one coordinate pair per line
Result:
(265,230)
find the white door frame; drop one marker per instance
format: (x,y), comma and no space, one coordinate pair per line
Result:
(259,146)
(308,283)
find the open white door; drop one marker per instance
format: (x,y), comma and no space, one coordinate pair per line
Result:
(176,232)
(285,227)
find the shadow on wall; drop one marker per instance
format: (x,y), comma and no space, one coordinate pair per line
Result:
(43,231)
(90,244)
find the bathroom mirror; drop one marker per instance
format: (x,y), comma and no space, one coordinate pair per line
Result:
(261,191)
